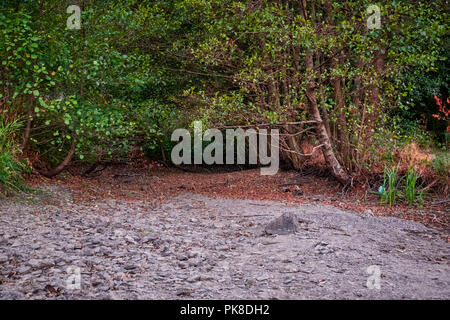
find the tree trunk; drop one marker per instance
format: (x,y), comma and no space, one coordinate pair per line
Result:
(338,172)
(340,111)
(374,99)
(53,172)
(293,143)
(357,89)
(26,135)
(323,106)
(336,169)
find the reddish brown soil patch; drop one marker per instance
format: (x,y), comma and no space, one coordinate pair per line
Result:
(154,183)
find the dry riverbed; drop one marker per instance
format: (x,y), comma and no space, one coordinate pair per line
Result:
(196,247)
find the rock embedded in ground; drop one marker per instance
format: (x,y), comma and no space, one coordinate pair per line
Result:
(368,213)
(3,258)
(285,224)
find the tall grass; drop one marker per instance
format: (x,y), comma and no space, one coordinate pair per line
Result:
(390,190)
(390,181)
(411,194)
(10,167)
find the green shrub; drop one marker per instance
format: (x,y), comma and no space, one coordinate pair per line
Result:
(390,180)
(441,164)
(412,195)
(10,167)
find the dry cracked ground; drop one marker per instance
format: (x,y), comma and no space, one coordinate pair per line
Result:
(196,247)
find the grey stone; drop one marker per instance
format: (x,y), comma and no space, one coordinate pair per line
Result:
(23,269)
(323,248)
(16,244)
(182,257)
(194,262)
(130,267)
(194,279)
(87,252)
(263,277)
(3,258)
(148,239)
(34,263)
(367,213)
(192,254)
(287,223)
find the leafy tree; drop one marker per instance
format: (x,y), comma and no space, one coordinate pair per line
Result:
(136,70)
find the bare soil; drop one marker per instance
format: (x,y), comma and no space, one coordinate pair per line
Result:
(154,233)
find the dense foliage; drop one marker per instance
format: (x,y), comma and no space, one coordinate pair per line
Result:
(136,70)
